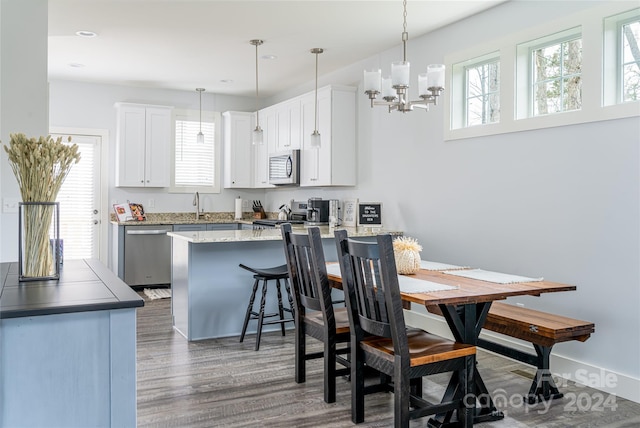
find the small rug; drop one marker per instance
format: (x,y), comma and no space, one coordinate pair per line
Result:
(157,293)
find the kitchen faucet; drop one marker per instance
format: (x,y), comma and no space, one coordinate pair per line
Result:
(196,203)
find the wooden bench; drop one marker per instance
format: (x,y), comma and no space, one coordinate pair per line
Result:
(542,330)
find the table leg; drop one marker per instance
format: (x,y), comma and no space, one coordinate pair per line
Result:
(465,322)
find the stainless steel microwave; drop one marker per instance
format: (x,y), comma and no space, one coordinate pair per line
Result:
(284,167)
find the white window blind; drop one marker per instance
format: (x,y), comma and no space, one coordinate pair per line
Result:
(76,198)
(194,162)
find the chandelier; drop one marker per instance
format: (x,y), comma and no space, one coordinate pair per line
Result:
(394,89)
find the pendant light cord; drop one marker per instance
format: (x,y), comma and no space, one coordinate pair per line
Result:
(256,43)
(257,114)
(405,35)
(315,119)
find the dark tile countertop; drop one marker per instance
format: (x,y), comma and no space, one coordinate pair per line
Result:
(84,286)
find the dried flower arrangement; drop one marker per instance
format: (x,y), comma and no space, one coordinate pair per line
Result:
(40,166)
(406,251)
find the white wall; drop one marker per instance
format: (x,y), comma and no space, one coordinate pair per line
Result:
(563,203)
(24,101)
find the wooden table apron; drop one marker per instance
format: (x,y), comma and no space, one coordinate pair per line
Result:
(465,309)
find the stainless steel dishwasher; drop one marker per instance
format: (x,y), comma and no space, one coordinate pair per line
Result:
(147,255)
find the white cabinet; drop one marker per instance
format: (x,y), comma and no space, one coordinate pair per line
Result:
(144,135)
(238,157)
(268,123)
(288,115)
(334,163)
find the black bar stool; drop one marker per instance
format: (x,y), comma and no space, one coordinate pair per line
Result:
(264,275)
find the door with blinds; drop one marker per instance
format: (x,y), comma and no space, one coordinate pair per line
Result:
(79,200)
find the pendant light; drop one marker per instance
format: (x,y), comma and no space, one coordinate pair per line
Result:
(257,136)
(315,136)
(200,137)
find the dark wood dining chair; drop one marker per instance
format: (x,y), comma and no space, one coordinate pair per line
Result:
(380,339)
(314,312)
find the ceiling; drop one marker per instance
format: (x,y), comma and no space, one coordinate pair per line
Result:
(181,44)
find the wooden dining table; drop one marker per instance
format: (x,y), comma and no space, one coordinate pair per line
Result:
(465,310)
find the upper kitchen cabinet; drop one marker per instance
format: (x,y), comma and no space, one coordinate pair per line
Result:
(269,125)
(143,145)
(238,159)
(288,117)
(334,163)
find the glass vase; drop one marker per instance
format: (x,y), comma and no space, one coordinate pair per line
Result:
(39,241)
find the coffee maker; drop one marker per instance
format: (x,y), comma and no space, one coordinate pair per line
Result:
(317,212)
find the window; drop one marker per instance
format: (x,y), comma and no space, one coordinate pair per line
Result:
(630,67)
(549,74)
(621,78)
(195,165)
(585,66)
(475,91)
(556,77)
(482,93)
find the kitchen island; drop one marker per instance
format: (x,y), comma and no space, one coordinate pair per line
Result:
(68,348)
(210,292)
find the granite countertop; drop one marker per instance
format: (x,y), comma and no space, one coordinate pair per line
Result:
(271,234)
(189,218)
(84,286)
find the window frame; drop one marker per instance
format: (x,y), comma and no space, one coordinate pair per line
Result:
(526,99)
(459,89)
(514,77)
(612,87)
(207,116)
(491,60)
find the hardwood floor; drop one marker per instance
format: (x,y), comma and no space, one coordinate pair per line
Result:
(223,383)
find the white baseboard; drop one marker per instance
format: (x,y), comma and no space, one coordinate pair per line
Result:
(599,378)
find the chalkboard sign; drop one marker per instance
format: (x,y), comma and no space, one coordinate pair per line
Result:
(370,214)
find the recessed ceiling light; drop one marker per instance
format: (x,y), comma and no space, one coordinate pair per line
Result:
(226,81)
(85,33)
(269,57)
(76,65)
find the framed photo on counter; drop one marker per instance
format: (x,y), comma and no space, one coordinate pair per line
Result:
(349,209)
(370,214)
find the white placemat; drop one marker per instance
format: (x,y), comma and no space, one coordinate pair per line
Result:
(497,277)
(414,285)
(424,264)
(407,284)
(334,269)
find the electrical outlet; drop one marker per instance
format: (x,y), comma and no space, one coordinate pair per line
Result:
(245,204)
(9,205)
(152,203)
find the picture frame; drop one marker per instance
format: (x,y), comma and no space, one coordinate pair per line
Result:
(350,211)
(369,214)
